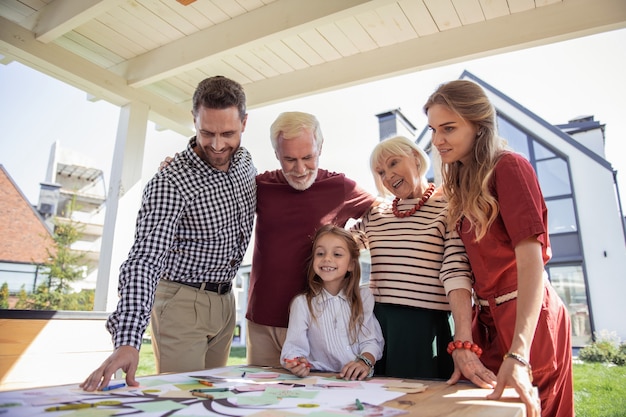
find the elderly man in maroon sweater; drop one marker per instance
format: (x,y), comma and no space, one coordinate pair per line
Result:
(291,204)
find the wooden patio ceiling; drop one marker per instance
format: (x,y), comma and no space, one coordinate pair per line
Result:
(156,51)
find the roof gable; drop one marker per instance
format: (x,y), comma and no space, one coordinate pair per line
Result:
(424,139)
(555,130)
(24,236)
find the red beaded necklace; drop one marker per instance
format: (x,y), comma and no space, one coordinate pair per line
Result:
(394,207)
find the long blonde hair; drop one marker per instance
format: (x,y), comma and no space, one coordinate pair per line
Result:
(466,185)
(351,281)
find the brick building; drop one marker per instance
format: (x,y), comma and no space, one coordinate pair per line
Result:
(24,237)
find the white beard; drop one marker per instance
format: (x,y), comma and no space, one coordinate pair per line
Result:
(301,186)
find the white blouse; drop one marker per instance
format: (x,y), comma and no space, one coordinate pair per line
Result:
(325,342)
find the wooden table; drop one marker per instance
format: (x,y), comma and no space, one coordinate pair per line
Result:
(171,395)
(462,399)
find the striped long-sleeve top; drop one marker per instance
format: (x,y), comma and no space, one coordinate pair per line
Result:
(416,260)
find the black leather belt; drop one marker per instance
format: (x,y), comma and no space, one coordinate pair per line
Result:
(220,288)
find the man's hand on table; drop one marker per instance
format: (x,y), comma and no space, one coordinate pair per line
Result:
(125,358)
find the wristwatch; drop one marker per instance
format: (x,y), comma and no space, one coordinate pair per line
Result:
(368,363)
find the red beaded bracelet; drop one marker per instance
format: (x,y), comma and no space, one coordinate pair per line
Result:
(457,344)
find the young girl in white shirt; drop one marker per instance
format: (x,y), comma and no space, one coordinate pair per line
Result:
(332,327)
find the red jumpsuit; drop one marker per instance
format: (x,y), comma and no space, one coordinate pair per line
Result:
(523,214)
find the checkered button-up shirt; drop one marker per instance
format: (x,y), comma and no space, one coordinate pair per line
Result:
(194,225)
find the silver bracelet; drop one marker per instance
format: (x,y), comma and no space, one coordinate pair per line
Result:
(522,360)
(368,363)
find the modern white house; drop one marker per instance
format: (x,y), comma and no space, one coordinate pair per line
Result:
(74,191)
(585,216)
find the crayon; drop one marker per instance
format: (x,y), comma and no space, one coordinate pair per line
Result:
(116,386)
(71,407)
(359,405)
(202,394)
(297,361)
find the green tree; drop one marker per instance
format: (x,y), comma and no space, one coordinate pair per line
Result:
(78,301)
(42,298)
(22,300)
(4,296)
(63,267)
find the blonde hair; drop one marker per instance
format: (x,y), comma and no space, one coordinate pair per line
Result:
(351,282)
(397,146)
(290,124)
(466,185)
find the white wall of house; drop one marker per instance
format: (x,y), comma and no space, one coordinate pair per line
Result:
(603,243)
(592,140)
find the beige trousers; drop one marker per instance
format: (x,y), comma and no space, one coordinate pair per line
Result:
(191,329)
(264,343)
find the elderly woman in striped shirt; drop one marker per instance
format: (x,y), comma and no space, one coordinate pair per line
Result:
(420,274)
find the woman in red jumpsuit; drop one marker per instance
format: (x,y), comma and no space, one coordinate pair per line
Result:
(496,203)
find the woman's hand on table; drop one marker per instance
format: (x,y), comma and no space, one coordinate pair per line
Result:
(355,370)
(516,375)
(467,364)
(299,366)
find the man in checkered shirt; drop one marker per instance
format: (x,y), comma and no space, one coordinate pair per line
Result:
(192,231)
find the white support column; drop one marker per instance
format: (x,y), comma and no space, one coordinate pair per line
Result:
(123,200)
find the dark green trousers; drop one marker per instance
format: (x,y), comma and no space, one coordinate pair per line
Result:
(415,342)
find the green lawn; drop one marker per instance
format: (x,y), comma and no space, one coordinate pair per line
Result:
(599,390)
(147,366)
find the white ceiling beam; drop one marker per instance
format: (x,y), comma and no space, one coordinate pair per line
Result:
(554,23)
(59,17)
(65,66)
(271,21)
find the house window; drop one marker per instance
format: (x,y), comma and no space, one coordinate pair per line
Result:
(553,177)
(569,282)
(561,216)
(541,152)
(515,138)
(20,276)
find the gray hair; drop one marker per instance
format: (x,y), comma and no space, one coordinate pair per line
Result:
(290,124)
(396,146)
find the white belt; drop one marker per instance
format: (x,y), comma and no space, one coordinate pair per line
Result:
(499,300)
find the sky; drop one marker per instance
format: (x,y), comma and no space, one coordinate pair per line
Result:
(557,82)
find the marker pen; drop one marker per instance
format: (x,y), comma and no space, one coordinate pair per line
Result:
(215,389)
(116,386)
